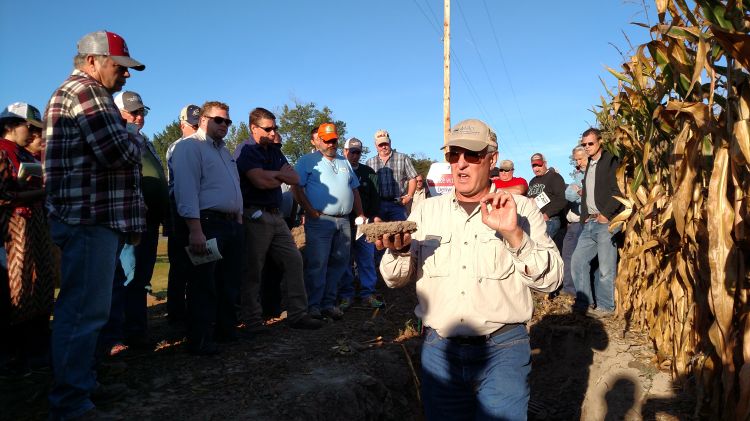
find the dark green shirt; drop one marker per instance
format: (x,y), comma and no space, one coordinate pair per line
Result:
(368,190)
(154,187)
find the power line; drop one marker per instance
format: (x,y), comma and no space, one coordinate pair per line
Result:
(507,75)
(435,24)
(484,68)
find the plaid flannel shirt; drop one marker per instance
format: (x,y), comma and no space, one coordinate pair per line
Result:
(393,175)
(92,164)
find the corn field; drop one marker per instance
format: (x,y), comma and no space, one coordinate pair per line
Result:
(680,122)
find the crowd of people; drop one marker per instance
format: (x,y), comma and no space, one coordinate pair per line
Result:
(86,215)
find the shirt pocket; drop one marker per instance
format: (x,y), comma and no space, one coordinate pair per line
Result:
(435,255)
(493,260)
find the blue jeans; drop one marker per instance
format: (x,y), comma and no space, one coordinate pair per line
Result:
(476,382)
(390,211)
(364,256)
(569,245)
(129,313)
(553,225)
(89,254)
(595,241)
(327,251)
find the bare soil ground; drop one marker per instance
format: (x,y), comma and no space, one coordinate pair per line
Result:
(366,367)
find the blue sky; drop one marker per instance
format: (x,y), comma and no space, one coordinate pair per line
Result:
(530,69)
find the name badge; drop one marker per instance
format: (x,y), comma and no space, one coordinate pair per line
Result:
(542,200)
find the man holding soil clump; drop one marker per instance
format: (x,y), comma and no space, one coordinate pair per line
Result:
(476,255)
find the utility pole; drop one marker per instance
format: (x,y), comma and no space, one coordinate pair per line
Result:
(446,70)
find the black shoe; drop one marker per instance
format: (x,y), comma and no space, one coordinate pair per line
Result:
(334,313)
(256,328)
(306,322)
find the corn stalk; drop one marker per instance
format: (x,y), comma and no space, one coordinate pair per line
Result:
(680,122)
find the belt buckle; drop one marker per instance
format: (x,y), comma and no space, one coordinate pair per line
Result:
(469,340)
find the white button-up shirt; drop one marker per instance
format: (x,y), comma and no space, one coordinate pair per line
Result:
(469,280)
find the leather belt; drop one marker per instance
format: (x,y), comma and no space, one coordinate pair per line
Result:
(335,216)
(482,339)
(208,214)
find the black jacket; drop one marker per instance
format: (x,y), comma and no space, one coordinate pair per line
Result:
(552,184)
(606,187)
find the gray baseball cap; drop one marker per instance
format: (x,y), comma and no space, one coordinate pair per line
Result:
(104,43)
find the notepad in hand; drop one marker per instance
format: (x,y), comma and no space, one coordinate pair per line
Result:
(213,253)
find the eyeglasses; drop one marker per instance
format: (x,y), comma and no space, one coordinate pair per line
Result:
(504,170)
(536,165)
(472,157)
(269,129)
(219,120)
(382,145)
(141,112)
(330,141)
(584,144)
(355,151)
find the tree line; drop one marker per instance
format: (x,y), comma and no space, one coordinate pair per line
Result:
(295,122)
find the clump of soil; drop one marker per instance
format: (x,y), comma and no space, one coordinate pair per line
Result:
(376,230)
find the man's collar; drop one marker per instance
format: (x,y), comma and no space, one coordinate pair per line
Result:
(201,135)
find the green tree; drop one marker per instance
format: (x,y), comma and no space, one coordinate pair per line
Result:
(295,124)
(163,139)
(236,135)
(421,163)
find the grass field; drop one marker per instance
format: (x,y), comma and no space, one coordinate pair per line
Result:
(161,270)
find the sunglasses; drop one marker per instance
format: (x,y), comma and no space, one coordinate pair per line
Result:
(329,142)
(220,120)
(383,145)
(584,144)
(502,170)
(142,112)
(472,157)
(355,151)
(536,165)
(269,129)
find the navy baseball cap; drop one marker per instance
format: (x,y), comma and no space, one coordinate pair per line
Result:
(191,114)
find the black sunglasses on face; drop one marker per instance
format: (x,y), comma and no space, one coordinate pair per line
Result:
(329,142)
(220,120)
(142,112)
(355,151)
(536,165)
(584,144)
(502,170)
(269,129)
(472,157)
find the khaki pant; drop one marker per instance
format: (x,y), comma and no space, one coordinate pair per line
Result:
(269,235)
